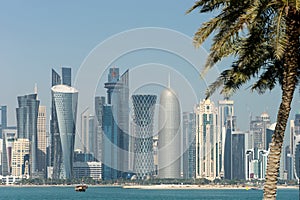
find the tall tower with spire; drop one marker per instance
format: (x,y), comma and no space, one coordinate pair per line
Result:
(169,136)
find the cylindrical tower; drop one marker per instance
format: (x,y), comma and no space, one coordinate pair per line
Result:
(169,135)
(143,106)
(65,99)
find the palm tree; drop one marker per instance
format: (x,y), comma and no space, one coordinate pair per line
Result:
(262,36)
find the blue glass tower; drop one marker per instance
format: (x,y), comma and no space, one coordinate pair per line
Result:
(115,126)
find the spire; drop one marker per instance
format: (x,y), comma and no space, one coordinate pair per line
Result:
(35,89)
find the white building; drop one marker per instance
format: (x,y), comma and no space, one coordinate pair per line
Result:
(207,141)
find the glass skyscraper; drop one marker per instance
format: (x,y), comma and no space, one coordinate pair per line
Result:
(55,142)
(27,114)
(169,136)
(115,125)
(189,145)
(65,100)
(143,107)
(3,124)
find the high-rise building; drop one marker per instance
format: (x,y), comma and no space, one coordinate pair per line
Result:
(85,131)
(3,116)
(207,140)
(65,100)
(55,142)
(8,137)
(109,145)
(225,109)
(169,136)
(189,145)
(116,131)
(41,140)
(143,107)
(258,127)
(238,141)
(99,102)
(230,128)
(20,157)
(27,114)
(66,76)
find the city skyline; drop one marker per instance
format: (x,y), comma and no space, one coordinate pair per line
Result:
(57,48)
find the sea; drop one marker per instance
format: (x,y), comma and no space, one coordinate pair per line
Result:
(116,193)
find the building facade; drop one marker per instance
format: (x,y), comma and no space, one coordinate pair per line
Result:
(169,136)
(27,115)
(65,99)
(41,140)
(207,141)
(20,157)
(143,107)
(189,145)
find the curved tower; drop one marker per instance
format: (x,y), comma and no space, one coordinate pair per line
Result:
(169,135)
(143,107)
(65,99)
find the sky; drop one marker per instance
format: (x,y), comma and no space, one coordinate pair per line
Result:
(37,36)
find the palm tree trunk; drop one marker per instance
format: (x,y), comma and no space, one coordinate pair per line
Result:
(288,87)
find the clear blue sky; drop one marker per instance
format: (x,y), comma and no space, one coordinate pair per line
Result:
(39,35)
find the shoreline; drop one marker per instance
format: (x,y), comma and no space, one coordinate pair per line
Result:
(167,187)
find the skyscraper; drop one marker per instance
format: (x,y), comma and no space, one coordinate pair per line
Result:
(189,145)
(20,157)
(9,135)
(169,136)
(41,139)
(237,155)
(27,114)
(230,128)
(66,76)
(258,127)
(117,108)
(3,116)
(225,109)
(207,143)
(143,107)
(99,102)
(65,100)
(55,142)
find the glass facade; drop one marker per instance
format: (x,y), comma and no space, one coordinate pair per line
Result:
(143,107)
(27,115)
(169,136)
(66,76)
(65,99)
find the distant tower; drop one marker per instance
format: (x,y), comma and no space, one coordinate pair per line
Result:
(27,114)
(207,145)
(143,107)
(225,110)
(189,145)
(20,157)
(65,99)
(169,136)
(3,119)
(42,139)
(66,76)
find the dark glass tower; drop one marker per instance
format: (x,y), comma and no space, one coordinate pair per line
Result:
(27,114)
(189,145)
(3,119)
(66,76)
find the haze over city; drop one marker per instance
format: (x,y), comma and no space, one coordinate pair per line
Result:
(38,36)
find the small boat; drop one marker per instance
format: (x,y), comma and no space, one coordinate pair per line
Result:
(81,188)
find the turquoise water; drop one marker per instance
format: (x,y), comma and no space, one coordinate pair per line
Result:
(115,193)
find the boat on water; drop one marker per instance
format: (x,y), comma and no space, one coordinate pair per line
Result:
(81,188)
